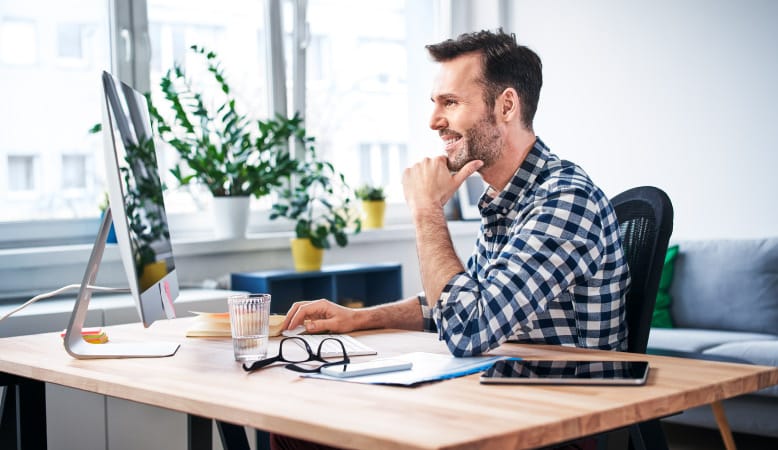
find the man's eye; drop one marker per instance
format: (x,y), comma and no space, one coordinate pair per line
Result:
(450,102)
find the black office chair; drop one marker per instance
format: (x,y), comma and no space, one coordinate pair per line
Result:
(645,217)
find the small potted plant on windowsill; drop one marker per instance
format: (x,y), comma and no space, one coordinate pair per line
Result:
(233,156)
(373,204)
(321,205)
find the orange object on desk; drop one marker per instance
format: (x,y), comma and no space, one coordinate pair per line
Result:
(93,335)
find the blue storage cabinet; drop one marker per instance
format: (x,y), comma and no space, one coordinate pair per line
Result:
(371,284)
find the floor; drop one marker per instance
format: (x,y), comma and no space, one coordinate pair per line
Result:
(681,437)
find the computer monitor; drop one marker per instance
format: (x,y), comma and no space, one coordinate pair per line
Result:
(137,210)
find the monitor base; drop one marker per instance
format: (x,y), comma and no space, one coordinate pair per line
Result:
(76,346)
(85,350)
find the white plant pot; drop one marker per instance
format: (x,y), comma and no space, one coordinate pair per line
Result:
(230,217)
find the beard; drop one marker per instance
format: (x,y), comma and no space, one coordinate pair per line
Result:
(482,142)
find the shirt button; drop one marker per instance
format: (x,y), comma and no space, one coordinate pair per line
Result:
(505,210)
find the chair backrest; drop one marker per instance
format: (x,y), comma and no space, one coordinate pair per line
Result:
(645,217)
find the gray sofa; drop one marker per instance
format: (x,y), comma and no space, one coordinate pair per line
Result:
(724,296)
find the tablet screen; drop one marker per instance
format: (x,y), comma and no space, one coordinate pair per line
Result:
(567,372)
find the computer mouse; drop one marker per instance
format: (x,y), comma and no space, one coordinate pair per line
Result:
(294,331)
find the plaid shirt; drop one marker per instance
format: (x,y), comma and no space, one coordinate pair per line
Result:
(547,268)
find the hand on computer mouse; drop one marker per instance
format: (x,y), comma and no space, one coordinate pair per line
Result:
(299,329)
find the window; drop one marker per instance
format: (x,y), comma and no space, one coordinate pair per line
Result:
(21,173)
(76,44)
(382,164)
(69,41)
(74,171)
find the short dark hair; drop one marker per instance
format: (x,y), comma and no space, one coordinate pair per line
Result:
(505,64)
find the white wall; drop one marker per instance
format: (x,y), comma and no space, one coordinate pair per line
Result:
(678,94)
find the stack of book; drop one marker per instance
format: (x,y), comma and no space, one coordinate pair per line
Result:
(218,325)
(210,325)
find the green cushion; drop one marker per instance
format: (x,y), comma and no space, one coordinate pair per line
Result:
(661,318)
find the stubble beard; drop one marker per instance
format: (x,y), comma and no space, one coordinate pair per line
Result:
(482,142)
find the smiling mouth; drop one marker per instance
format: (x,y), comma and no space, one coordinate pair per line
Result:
(451,141)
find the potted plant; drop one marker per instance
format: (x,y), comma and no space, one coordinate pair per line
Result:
(321,205)
(373,204)
(233,156)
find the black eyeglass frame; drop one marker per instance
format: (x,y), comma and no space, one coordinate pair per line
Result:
(292,364)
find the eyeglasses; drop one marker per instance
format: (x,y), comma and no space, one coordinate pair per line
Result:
(293,358)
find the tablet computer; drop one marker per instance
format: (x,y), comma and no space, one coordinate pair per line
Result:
(513,371)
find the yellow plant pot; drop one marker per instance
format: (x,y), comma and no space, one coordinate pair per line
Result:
(306,257)
(374,214)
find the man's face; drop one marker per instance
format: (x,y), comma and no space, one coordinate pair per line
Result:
(460,115)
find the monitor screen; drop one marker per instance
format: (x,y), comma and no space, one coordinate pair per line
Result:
(136,201)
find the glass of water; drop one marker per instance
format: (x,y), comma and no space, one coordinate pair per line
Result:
(250,324)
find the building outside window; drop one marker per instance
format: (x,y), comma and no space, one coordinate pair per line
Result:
(363,102)
(50,106)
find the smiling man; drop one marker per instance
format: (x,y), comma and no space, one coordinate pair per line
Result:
(547,267)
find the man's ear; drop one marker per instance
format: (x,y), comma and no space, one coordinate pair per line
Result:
(508,105)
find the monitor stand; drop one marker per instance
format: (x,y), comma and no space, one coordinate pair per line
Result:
(75,345)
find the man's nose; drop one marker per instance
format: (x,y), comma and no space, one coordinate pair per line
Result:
(437,120)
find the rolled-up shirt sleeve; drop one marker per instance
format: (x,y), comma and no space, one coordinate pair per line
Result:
(426,314)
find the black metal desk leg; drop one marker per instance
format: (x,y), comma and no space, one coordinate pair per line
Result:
(653,435)
(8,417)
(23,419)
(31,411)
(233,436)
(199,434)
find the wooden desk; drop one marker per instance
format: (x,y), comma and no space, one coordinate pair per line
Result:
(203,380)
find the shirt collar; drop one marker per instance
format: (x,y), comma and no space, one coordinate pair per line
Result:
(519,184)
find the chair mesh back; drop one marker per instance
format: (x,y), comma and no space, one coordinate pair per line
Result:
(645,217)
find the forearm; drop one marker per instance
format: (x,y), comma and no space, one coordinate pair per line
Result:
(438,262)
(403,314)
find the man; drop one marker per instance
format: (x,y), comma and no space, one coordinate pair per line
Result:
(548,266)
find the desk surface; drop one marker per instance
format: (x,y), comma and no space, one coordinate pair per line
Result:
(202,379)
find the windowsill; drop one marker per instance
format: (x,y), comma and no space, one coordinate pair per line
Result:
(38,257)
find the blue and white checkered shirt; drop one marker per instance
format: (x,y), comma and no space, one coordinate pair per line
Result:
(547,268)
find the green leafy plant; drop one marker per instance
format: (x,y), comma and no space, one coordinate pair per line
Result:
(370,193)
(221,148)
(320,202)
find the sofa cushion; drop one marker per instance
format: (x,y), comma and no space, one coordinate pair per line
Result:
(696,341)
(661,317)
(726,285)
(763,353)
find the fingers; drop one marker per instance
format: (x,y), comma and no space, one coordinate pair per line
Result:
(468,169)
(287,325)
(320,325)
(318,315)
(298,314)
(429,183)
